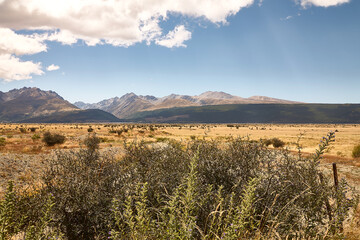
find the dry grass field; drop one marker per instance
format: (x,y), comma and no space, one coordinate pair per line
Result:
(23,154)
(21,138)
(22,142)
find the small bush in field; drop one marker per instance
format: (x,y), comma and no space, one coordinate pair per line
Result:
(90,129)
(267,142)
(356,151)
(33,129)
(22,130)
(35,137)
(92,142)
(52,139)
(2,141)
(277,143)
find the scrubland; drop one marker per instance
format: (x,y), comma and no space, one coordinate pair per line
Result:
(181,181)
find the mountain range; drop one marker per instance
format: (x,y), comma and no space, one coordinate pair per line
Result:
(129,104)
(33,105)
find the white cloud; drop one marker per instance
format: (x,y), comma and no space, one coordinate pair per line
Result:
(323,3)
(95,22)
(52,67)
(13,43)
(119,23)
(286,18)
(63,36)
(12,68)
(175,38)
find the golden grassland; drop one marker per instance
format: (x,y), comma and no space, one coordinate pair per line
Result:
(347,136)
(25,139)
(22,151)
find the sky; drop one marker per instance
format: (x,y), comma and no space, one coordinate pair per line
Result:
(90,50)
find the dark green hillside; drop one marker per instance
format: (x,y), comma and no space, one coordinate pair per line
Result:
(79,116)
(255,113)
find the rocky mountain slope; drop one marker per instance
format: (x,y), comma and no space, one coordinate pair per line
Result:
(131,103)
(28,103)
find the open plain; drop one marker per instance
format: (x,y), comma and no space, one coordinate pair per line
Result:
(24,141)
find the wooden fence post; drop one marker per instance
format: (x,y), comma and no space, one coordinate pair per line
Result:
(336,183)
(336,180)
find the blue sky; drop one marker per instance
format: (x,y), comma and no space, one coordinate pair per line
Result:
(285,49)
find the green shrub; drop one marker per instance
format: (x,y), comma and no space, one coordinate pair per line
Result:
(162,139)
(2,141)
(51,139)
(356,151)
(35,137)
(22,130)
(8,224)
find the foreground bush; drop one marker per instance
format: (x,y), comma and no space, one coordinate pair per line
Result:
(51,139)
(206,190)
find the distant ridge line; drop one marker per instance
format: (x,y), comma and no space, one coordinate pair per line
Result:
(130,103)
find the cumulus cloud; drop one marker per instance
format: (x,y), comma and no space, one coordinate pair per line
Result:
(62,36)
(52,67)
(323,3)
(116,22)
(12,68)
(13,43)
(119,23)
(175,38)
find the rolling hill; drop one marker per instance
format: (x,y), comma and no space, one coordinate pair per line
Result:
(78,116)
(254,113)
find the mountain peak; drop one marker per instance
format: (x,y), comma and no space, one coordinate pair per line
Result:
(129,96)
(216,95)
(29,92)
(18,104)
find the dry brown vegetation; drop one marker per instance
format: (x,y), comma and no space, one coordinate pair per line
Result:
(23,154)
